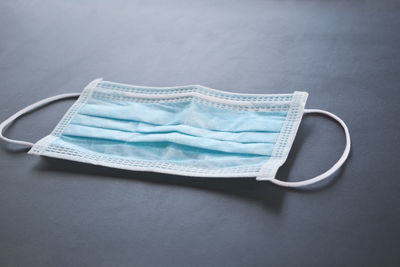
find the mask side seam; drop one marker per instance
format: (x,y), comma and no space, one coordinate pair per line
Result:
(40,146)
(74,109)
(285,140)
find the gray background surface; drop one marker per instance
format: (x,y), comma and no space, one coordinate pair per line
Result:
(344,53)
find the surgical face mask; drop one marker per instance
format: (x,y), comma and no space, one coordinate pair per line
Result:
(187,130)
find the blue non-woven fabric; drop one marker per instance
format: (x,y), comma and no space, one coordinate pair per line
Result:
(188,130)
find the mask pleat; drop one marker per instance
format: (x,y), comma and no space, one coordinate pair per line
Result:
(140,127)
(79,131)
(188,113)
(165,151)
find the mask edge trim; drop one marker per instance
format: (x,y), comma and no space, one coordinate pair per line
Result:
(43,143)
(286,138)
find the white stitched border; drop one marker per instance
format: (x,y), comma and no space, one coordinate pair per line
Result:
(145,165)
(221,103)
(194,88)
(286,137)
(40,146)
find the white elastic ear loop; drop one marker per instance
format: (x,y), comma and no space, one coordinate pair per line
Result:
(27,109)
(335,167)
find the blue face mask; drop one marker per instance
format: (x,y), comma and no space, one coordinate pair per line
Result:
(188,130)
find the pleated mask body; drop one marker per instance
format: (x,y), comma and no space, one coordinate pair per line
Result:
(188,130)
